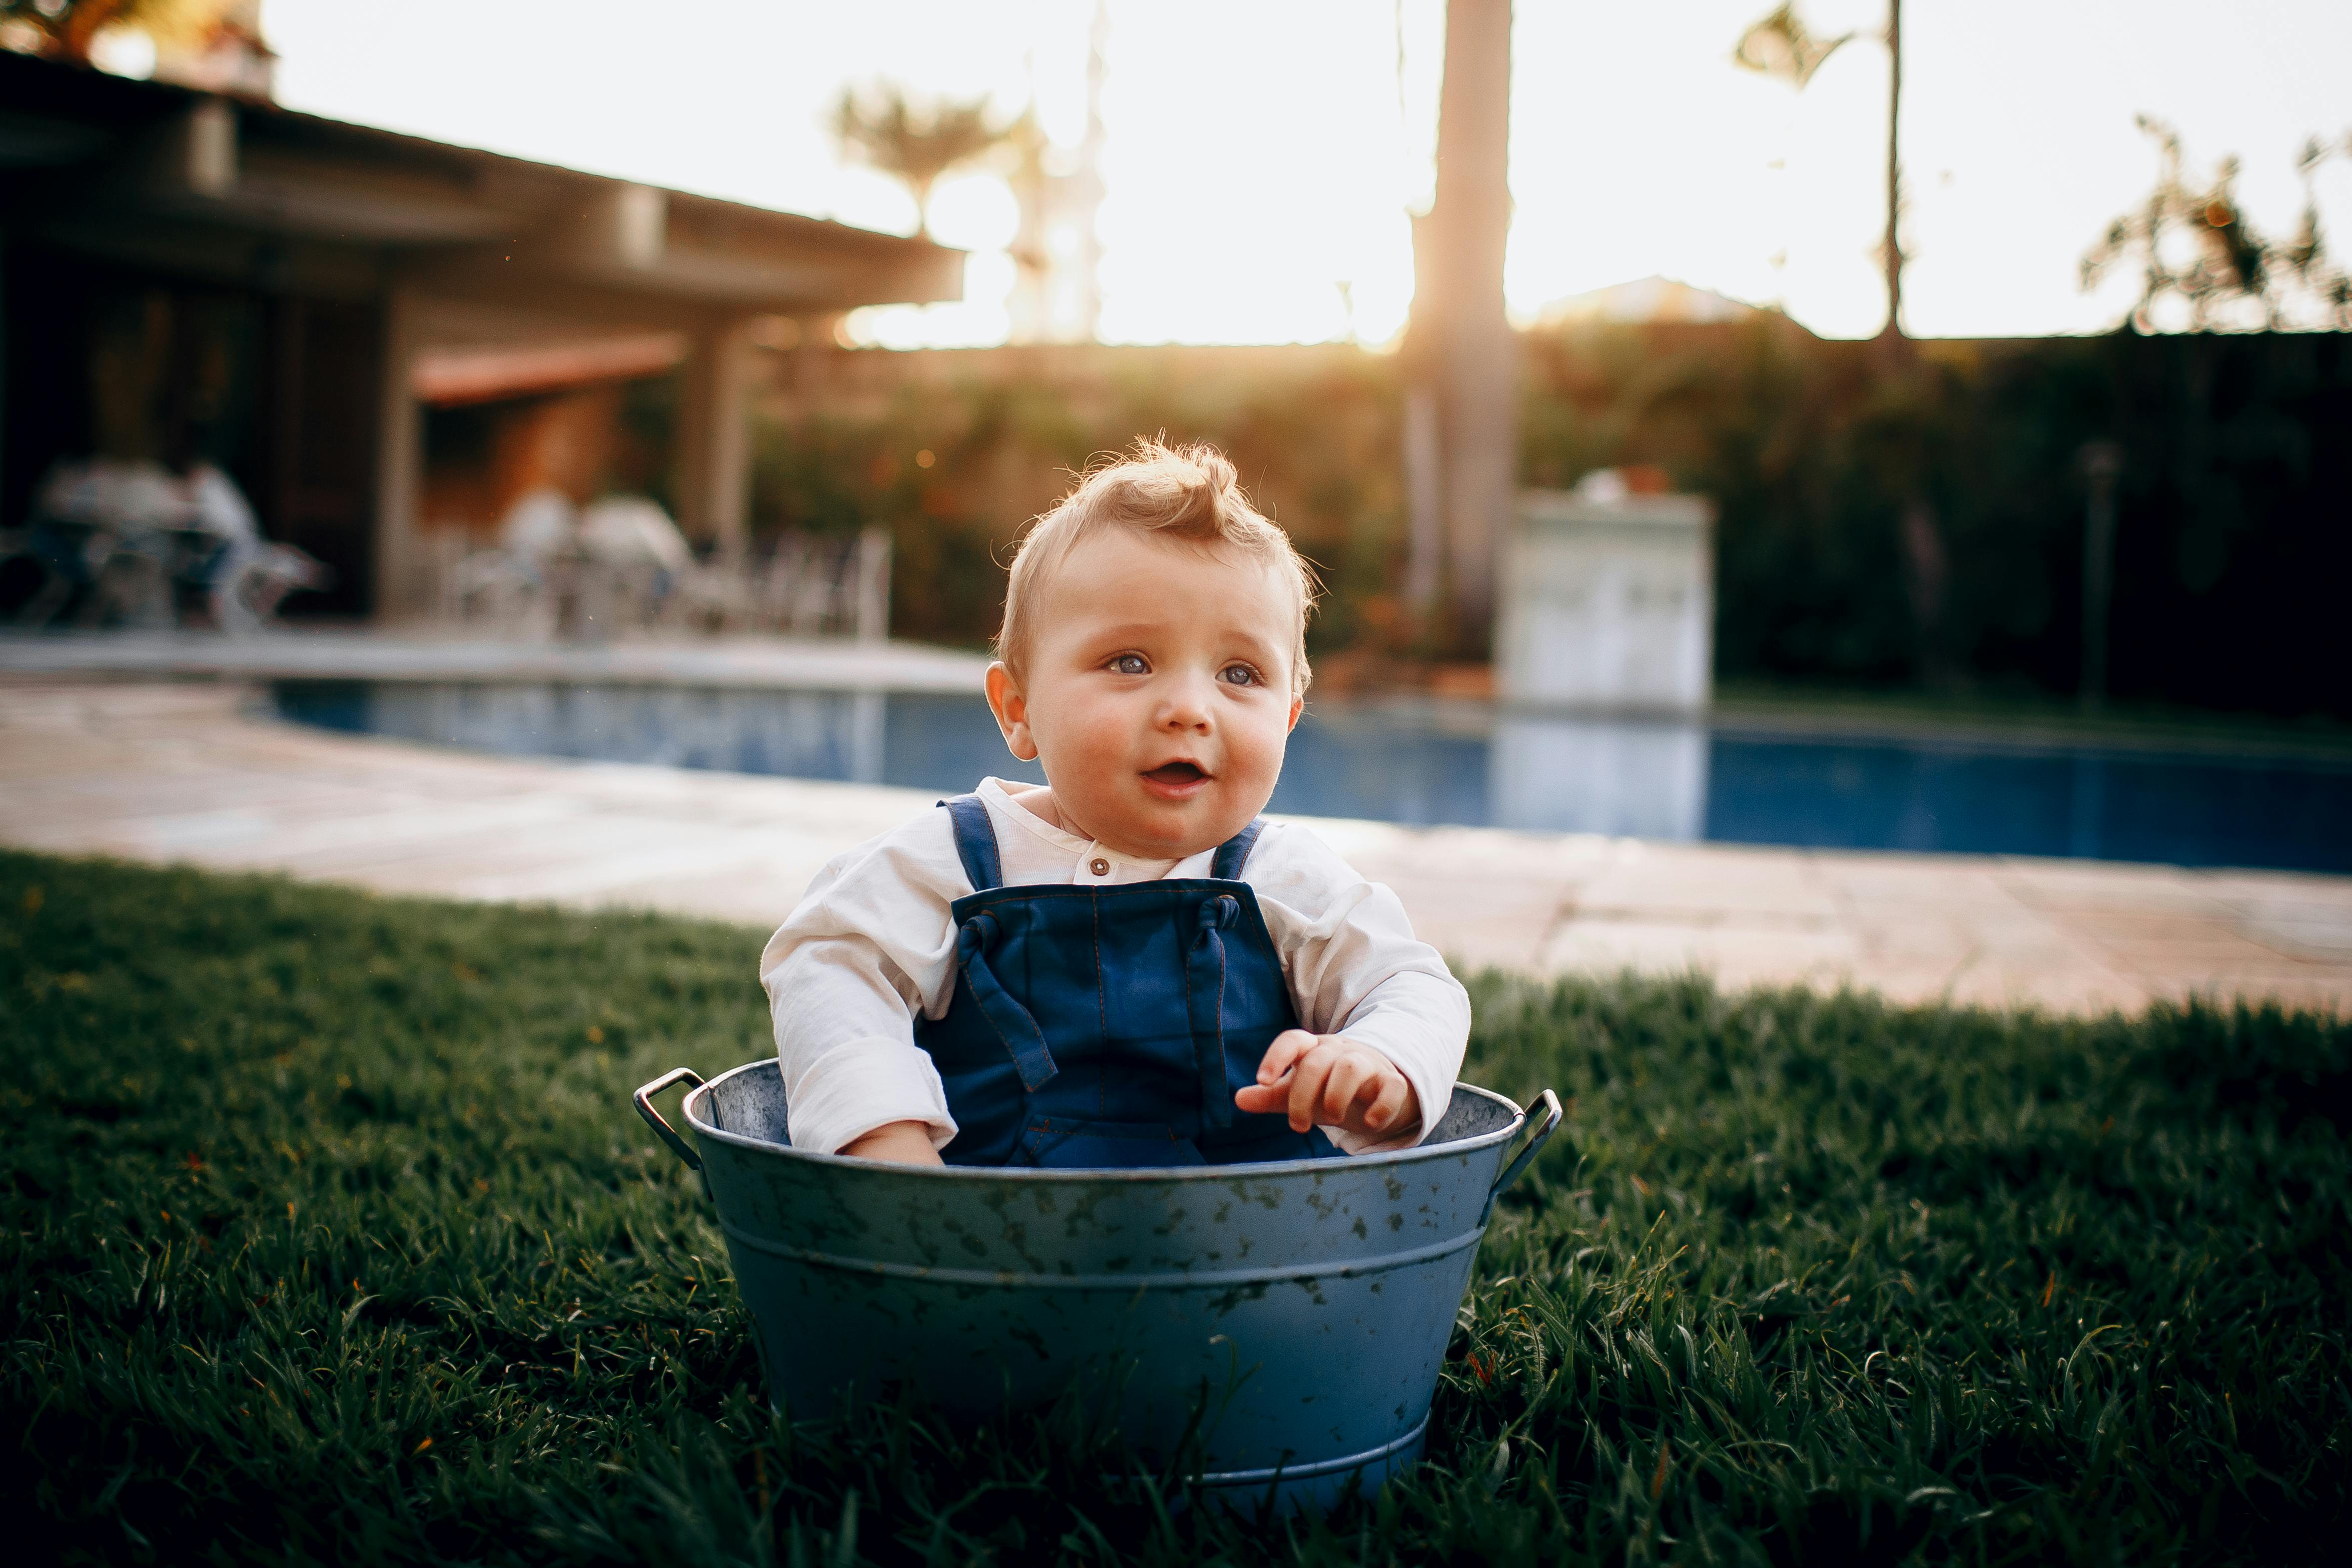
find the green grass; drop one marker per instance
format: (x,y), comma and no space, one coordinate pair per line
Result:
(329,1235)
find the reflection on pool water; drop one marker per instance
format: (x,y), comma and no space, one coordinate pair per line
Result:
(1471,765)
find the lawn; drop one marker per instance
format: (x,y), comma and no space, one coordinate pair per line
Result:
(329,1235)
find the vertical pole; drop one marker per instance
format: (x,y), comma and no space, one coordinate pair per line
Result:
(873,617)
(4,370)
(1424,497)
(714,441)
(869,733)
(1470,223)
(399,464)
(283,498)
(1424,506)
(1087,192)
(2102,464)
(1893,242)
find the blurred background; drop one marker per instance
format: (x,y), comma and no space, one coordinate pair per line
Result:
(1940,358)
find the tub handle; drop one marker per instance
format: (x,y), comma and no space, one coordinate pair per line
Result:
(1527,1151)
(669,1134)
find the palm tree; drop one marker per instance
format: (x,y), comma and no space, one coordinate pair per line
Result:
(1461,359)
(1781,45)
(915,142)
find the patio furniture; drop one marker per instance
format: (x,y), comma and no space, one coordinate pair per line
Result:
(123,543)
(814,586)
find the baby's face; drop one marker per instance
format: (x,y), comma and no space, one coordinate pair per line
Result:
(1157,692)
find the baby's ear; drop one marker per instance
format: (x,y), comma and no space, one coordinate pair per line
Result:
(1012,711)
(1298,706)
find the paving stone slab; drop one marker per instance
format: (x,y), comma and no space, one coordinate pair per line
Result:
(196,772)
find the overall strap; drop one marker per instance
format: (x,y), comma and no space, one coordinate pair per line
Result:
(976,846)
(1234,852)
(1204,1006)
(975,841)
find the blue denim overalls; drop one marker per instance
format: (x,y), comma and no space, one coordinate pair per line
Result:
(1109,1027)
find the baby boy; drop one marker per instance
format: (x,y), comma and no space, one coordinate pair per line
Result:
(1124,967)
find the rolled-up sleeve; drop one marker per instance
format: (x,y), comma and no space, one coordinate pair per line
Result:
(1357,969)
(870,946)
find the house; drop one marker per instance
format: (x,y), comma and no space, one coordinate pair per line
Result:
(1651,299)
(190,269)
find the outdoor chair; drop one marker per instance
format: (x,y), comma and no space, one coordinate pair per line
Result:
(115,543)
(134,582)
(245,599)
(801,592)
(504,591)
(635,561)
(814,586)
(43,568)
(711,598)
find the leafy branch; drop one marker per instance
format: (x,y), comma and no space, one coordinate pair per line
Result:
(2204,264)
(1781,45)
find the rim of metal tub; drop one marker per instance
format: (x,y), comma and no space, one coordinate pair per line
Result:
(703,1086)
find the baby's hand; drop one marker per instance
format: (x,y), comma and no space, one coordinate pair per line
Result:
(898,1142)
(1331,1081)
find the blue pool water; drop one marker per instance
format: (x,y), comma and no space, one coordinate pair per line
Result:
(1469,765)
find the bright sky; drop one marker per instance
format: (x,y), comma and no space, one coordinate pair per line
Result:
(1261,153)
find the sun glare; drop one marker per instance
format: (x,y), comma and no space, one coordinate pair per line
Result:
(1260,162)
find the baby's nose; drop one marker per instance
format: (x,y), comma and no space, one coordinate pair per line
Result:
(1186,709)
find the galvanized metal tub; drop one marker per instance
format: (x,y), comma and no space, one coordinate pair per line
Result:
(1298,1310)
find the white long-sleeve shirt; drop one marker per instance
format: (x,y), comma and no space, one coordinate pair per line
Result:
(872,945)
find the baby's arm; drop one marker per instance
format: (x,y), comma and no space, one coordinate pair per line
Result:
(869,947)
(1385,1021)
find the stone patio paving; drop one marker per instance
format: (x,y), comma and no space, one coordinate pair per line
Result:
(339,654)
(191,772)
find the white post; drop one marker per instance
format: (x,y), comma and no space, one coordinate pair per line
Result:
(873,623)
(869,728)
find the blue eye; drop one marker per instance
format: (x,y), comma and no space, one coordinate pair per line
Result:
(1242,674)
(1130,664)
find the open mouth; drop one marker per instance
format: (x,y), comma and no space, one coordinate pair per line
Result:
(1176,775)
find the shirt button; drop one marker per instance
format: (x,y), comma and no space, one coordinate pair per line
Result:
(1099,866)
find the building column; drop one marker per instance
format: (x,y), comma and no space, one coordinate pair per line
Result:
(714,439)
(6,516)
(400,591)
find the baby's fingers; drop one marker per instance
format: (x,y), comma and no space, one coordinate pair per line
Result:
(1270,1094)
(1384,1114)
(1284,1054)
(1262,1099)
(1308,1081)
(1349,1076)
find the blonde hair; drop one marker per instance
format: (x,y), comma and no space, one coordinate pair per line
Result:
(1191,493)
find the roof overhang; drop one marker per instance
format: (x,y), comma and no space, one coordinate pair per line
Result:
(148,171)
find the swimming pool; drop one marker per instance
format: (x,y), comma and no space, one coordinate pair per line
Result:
(1466,764)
